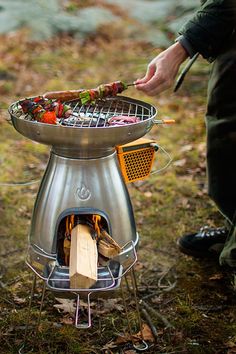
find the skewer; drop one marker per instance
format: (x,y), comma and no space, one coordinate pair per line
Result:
(131,84)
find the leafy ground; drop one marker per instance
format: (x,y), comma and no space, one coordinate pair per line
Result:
(192,302)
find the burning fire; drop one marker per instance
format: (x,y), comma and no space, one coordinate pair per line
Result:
(70,221)
(107,247)
(97,221)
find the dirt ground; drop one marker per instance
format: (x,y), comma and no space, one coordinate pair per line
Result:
(189,303)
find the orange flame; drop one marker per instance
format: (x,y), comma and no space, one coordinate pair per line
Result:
(96,220)
(70,220)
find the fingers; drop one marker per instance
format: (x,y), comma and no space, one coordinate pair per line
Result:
(153,82)
(154,86)
(149,74)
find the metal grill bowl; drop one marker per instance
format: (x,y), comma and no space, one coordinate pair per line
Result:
(93,133)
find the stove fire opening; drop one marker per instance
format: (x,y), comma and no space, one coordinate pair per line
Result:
(95,228)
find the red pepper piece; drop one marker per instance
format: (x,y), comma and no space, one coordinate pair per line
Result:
(48,117)
(60,109)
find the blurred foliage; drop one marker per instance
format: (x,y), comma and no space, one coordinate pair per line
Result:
(151,21)
(45,18)
(152,11)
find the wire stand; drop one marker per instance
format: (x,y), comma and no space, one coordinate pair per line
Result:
(132,290)
(129,279)
(23,349)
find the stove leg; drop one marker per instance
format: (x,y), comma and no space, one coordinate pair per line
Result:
(133,290)
(40,309)
(78,324)
(21,350)
(98,306)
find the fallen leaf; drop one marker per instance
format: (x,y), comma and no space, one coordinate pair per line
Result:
(185,202)
(145,334)
(85,304)
(139,265)
(186,148)
(148,194)
(66,305)
(217,276)
(201,147)
(19,300)
(123,339)
(157,300)
(67,320)
(108,305)
(231,344)
(109,345)
(179,163)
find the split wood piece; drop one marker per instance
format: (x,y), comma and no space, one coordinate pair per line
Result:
(83,258)
(66,249)
(107,246)
(102,261)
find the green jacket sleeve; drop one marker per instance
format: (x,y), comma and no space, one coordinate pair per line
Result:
(211,27)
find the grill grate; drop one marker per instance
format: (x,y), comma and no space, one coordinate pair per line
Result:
(99,113)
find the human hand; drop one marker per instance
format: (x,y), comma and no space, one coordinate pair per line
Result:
(162,70)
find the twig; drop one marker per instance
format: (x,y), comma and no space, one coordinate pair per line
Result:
(152,294)
(168,301)
(157,314)
(147,287)
(150,323)
(169,288)
(175,352)
(113,323)
(14,280)
(171,285)
(7,301)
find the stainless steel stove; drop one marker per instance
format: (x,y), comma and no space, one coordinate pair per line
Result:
(83,178)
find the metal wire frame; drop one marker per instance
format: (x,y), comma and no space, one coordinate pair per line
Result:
(98,113)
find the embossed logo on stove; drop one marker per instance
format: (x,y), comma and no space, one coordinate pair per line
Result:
(83,192)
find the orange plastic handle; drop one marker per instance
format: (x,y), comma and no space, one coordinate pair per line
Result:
(164,121)
(168,121)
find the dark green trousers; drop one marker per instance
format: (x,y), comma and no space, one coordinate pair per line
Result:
(221,143)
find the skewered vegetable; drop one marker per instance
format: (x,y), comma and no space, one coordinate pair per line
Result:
(87,96)
(44,110)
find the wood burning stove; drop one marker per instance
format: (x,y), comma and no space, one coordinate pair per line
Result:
(83,179)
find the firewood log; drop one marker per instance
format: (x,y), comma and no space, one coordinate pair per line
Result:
(107,246)
(83,258)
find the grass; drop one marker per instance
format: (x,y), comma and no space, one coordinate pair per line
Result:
(200,307)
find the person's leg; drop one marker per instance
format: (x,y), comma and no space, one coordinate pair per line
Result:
(221,146)
(221,134)
(221,159)
(228,254)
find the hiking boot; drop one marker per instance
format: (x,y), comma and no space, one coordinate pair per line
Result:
(208,242)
